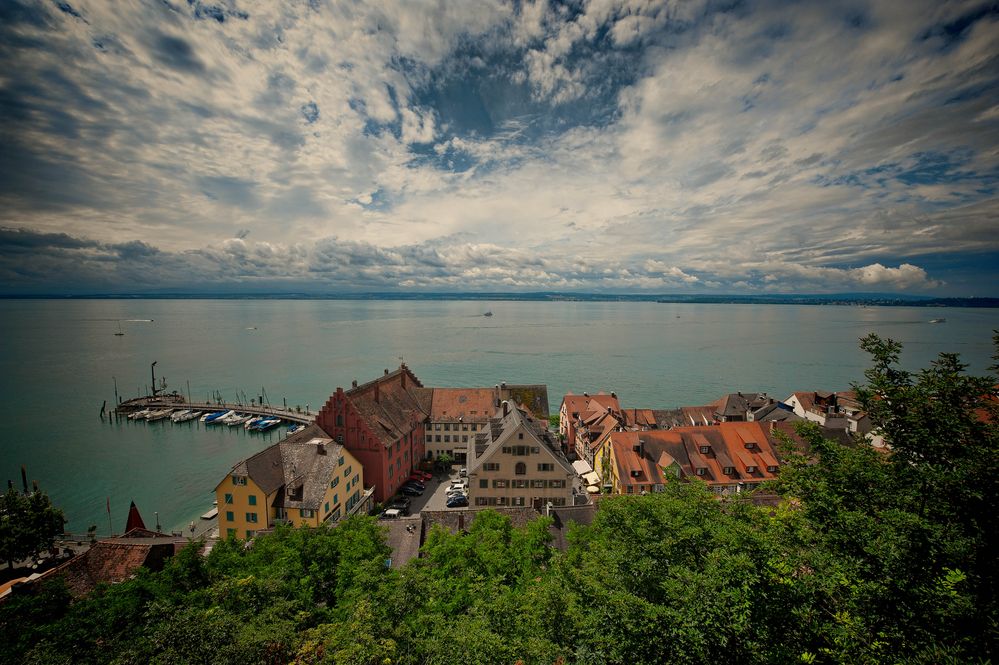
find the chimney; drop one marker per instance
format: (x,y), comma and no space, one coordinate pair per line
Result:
(385,372)
(503,385)
(506,408)
(613,394)
(353,384)
(320,449)
(24,478)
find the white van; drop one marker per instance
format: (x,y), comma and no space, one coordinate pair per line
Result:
(391,514)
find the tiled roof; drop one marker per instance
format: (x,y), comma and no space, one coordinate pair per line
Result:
(737,404)
(645,418)
(501,428)
(466,404)
(698,415)
(727,447)
(298,468)
(533,397)
(112,561)
(392,404)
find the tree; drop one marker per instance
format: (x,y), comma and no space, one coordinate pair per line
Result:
(28,524)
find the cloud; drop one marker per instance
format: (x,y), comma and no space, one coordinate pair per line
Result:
(605,144)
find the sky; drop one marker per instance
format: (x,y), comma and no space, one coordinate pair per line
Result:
(620,146)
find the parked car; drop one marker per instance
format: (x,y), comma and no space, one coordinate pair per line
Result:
(423,474)
(463,472)
(409,490)
(416,478)
(459,501)
(401,504)
(390,514)
(415,483)
(457,489)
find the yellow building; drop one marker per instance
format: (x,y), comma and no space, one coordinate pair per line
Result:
(305,480)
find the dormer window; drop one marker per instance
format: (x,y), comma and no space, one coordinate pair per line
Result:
(705,450)
(750,445)
(728,470)
(701,471)
(772,468)
(635,473)
(750,469)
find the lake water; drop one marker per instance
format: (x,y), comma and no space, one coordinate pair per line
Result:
(57,360)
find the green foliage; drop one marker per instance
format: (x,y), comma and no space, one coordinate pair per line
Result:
(870,557)
(28,525)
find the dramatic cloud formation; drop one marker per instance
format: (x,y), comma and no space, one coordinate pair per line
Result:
(618,145)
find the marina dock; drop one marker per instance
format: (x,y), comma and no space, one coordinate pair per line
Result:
(175,402)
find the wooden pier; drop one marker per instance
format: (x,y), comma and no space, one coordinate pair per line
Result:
(179,402)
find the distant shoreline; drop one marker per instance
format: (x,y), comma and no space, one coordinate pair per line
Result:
(841,300)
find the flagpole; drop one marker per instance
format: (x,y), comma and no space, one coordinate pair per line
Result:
(110,528)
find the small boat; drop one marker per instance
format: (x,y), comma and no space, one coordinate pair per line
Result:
(178,416)
(938,320)
(488,314)
(215,418)
(153,416)
(211,514)
(191,415)
(295,428)
(265,424)
(138,414)
(252,422)
(235,419)
(119,333)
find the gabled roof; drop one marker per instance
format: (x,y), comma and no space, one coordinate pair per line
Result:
(532,396)
(392,404)
(298,468)
(502,428)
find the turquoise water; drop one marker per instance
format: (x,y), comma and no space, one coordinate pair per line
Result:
(57,360)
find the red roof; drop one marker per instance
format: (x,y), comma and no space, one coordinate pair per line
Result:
(134,519)
(466,404)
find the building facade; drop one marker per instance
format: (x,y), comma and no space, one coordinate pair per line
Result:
(517,462)
(305,480)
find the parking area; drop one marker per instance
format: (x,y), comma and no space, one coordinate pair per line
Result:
(435,496)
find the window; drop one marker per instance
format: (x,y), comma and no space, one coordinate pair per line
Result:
(483,483)
(464,427)
(336,515)
(705,450)
(701,470)
(464,438)
(228,499)
(491,466)
(447,438)
(250,533)
(430,438)
(538,484)
(750,445)
(336,499)
(517,501)
(728,470)
(251,518)
(750,469)
(253,499)
(502,501)
(357,479)
(557,483)
(346,472)
(631,489)
(238,480)
(520,469)
(437,426)
(535,450)
(334,482)
(520,435)
(307,512)
(339,420)
(229,517)
(499,484)
(447,427)
(480,501)
(772,469)
(546,467)
(341,461)
(521,483)
(230,533)
(558,501)
(437,438)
